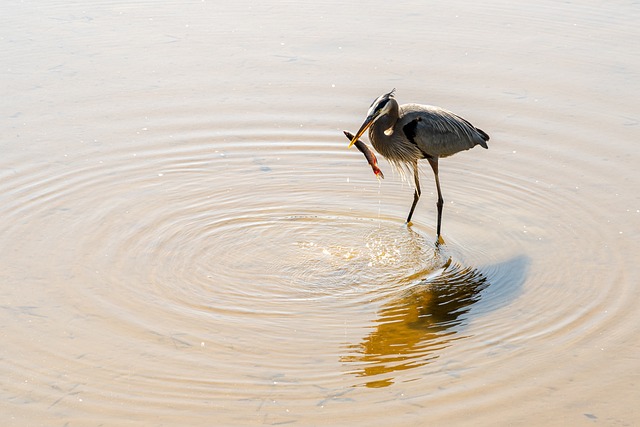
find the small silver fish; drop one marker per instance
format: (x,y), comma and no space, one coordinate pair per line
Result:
(368,154)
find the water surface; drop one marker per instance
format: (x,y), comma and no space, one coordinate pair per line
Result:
(185,238)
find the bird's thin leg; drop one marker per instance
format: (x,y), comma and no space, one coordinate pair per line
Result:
(434,165)
(416,194)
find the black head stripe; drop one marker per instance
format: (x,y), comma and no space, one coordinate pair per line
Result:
(384,98)
(382,104)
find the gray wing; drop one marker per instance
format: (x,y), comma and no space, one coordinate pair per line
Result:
(438,132)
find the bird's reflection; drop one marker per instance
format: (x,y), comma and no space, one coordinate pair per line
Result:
(411,329)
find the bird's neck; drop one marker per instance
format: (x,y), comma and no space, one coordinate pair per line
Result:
(381,132)
(390,141)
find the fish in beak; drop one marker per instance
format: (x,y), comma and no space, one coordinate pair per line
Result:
(367,122)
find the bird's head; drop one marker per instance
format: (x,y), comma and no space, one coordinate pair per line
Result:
(380,106)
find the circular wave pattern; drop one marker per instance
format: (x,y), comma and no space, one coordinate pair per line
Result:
(188,250)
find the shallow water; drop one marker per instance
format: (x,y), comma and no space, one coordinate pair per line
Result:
(185,238)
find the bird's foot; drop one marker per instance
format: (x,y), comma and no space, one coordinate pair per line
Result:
(440,241)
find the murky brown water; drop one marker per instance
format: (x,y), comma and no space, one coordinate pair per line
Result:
(186,240)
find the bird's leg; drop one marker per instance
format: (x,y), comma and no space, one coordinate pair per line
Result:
(416,195)
(434,165)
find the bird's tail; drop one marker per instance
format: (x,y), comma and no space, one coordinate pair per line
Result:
(484,136)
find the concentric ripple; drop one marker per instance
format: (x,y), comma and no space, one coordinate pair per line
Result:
(255,276)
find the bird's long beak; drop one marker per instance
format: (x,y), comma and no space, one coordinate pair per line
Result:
(367,122)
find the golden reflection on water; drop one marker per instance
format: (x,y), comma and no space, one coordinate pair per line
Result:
(412,328)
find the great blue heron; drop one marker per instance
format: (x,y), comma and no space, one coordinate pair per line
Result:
(410,132)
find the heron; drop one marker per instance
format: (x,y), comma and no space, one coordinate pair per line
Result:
(405,134)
